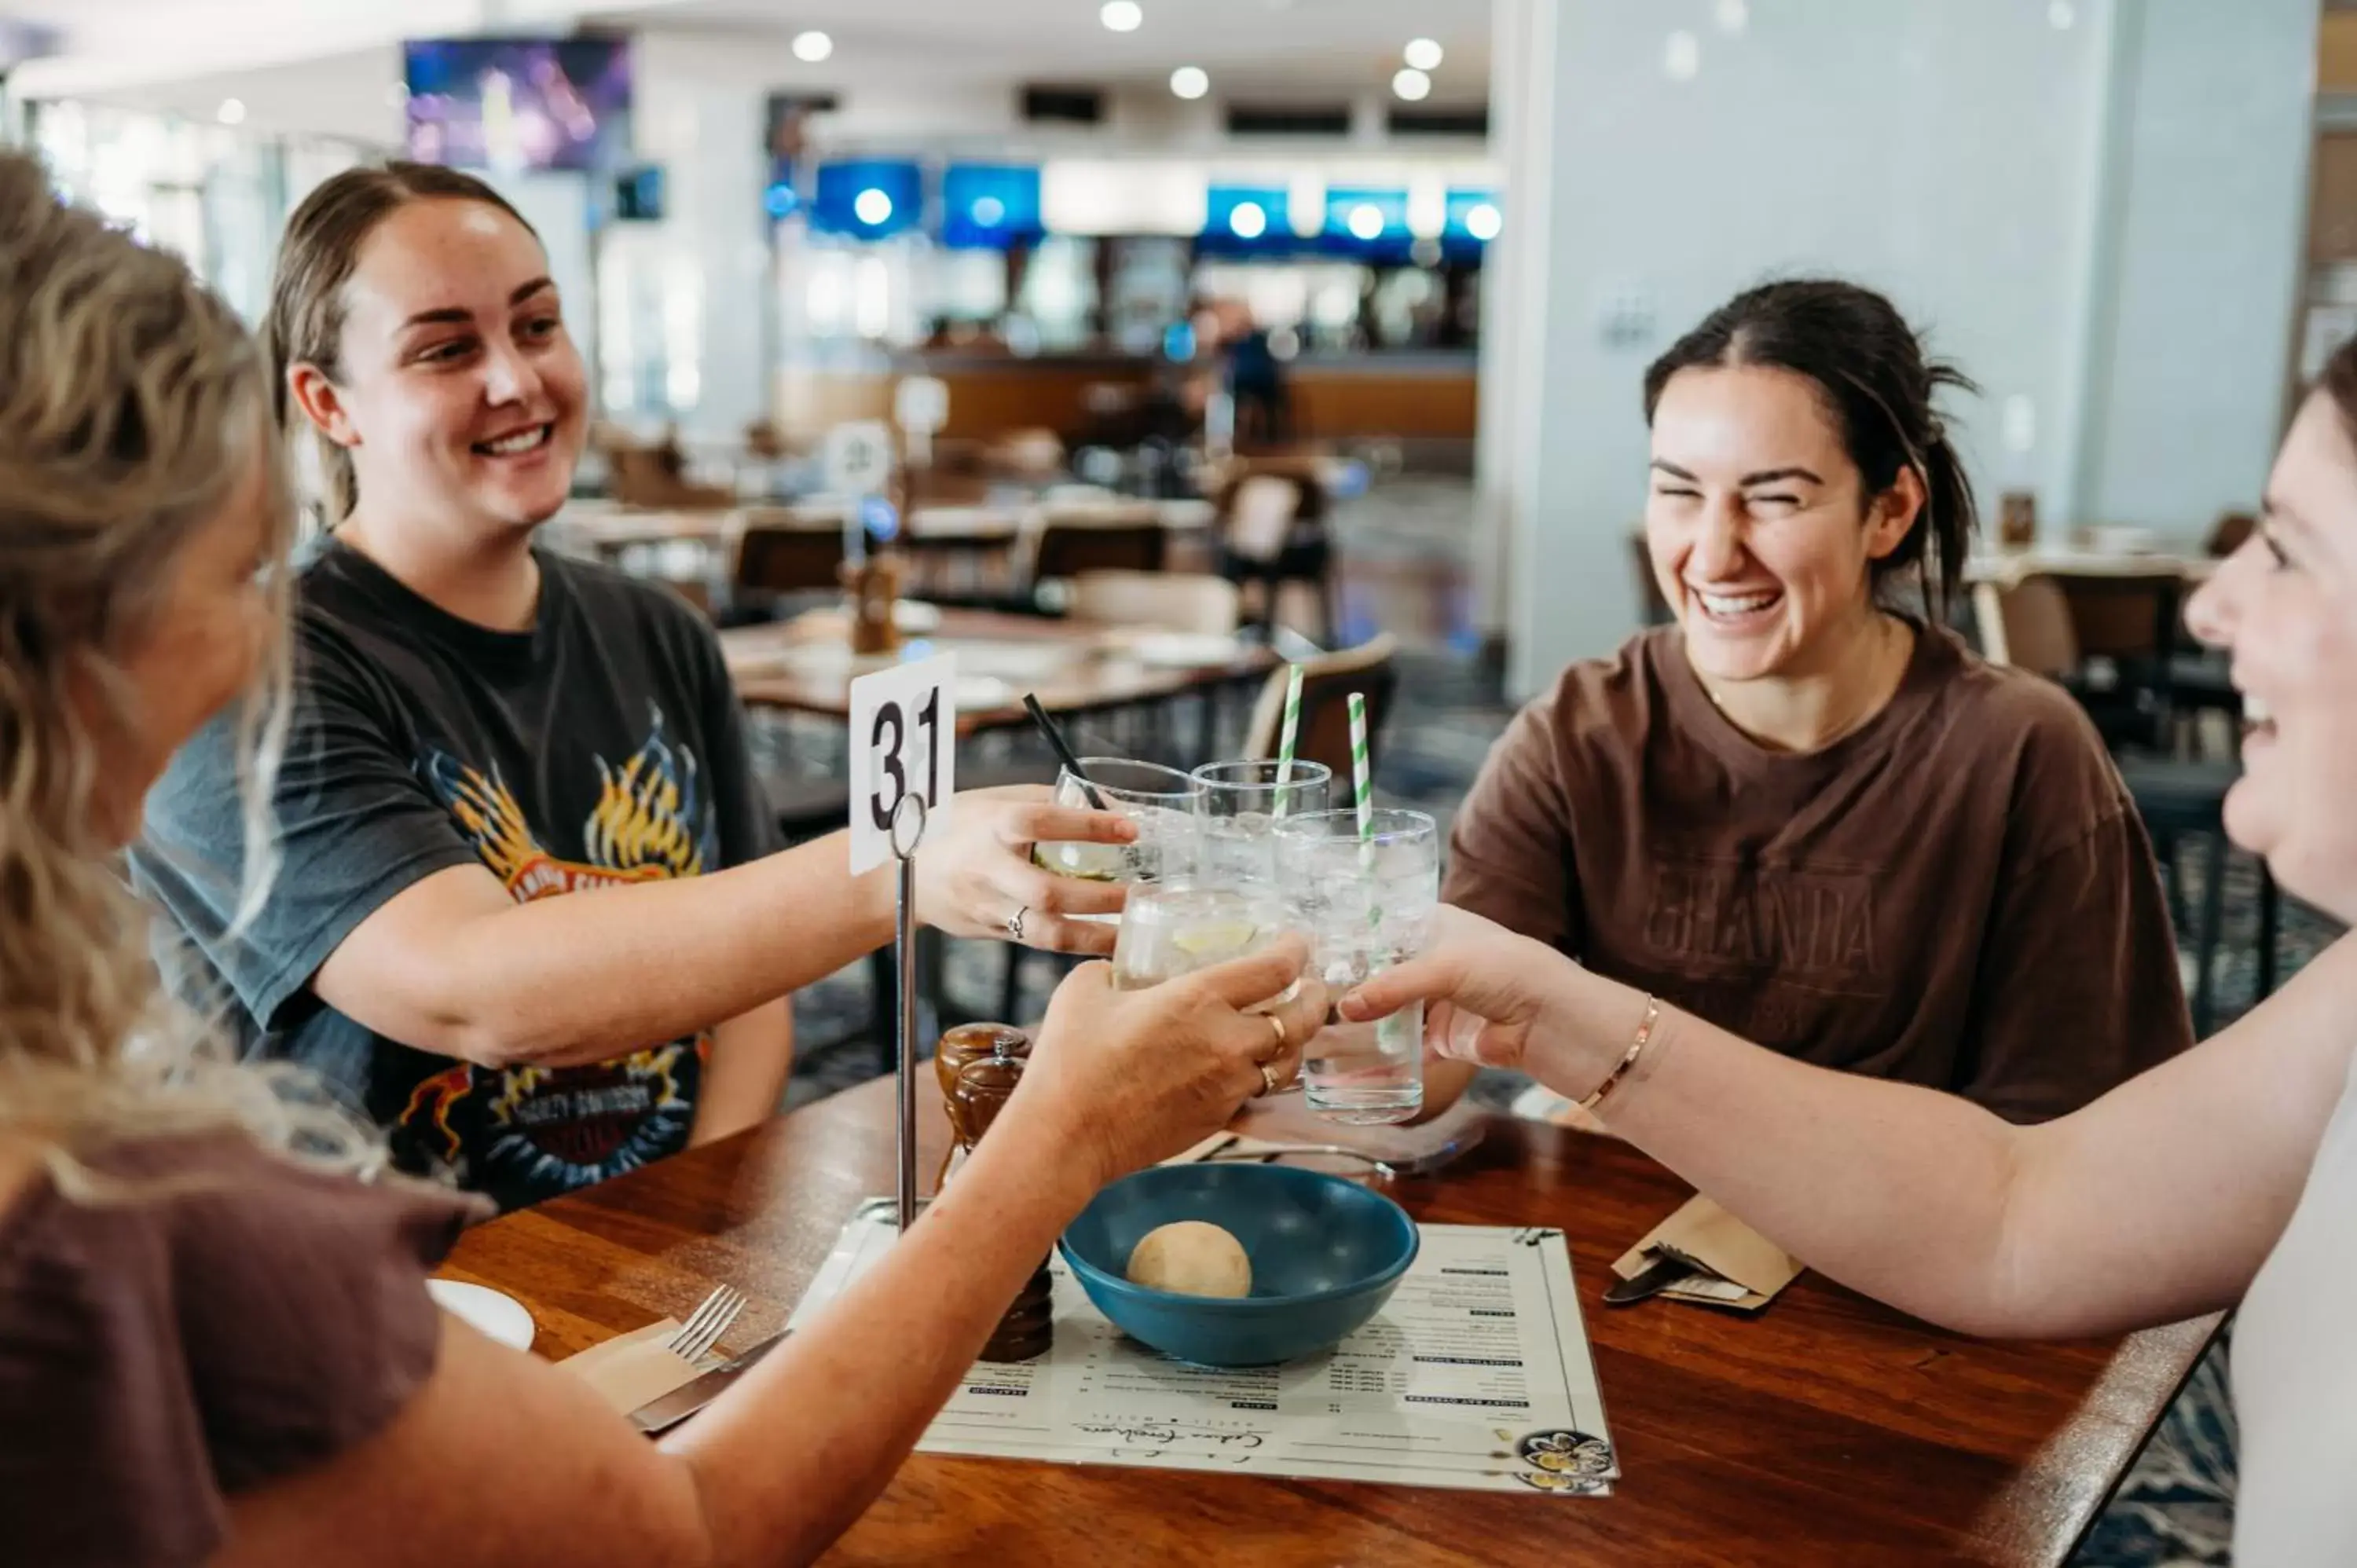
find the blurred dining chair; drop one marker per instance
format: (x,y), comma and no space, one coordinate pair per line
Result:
(775,557)
(1327,682)
(2027,625)
(1274,532)
(1066,551)
(2233,530)
(1032,453)
(2180,802)
(1168,601)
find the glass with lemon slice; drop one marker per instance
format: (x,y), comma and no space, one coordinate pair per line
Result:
(1176,929)
(1165,803)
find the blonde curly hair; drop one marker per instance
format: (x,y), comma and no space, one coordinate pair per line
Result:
(132,404)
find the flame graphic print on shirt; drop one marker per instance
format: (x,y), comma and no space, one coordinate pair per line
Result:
(549,1130)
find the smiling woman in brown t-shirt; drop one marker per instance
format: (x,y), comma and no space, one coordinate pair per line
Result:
(1801,813)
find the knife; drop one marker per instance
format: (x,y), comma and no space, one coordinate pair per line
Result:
(660,1415)
(1666,1269)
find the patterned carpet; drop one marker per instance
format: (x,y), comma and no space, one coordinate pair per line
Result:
(1403,544)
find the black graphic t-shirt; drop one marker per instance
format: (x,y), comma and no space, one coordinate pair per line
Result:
(603,747)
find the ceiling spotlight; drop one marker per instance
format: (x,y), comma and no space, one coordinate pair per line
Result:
(1411,84)
(812,47)
(1366,222)
(1423,54)
(871,207)
(1190,81)
(1248,221)
(1482,220)
(232,111)
(1122,16)
(2061,15)
(1733,15)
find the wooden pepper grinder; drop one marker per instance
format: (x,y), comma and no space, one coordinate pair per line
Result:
(981,1093)
(971,1041)
(875,586)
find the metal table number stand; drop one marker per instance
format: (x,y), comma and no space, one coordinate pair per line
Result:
(905,842)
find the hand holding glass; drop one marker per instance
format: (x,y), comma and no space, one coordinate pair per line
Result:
(1164,804)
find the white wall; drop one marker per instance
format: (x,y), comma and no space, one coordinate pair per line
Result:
(2188,345)
(1950,153)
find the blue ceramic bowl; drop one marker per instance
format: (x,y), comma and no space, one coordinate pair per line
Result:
(1325,1255)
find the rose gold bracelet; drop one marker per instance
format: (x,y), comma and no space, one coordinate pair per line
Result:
(1636,1048)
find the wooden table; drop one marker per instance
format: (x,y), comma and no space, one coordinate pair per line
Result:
(2004,568)
(1827,1430)
(805,665)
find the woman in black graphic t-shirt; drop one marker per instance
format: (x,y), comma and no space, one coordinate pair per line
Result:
(482,728)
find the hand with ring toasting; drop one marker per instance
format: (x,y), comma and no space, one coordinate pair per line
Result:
(1119,1079)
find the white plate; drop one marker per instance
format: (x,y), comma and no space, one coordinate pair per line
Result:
(978,691)
(485,1311)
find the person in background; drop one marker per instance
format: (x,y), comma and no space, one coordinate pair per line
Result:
(483,729)
(214,1351)
(1804,810)
(1255,380)
(2225,1177)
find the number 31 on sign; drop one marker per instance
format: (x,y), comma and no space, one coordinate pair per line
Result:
(903,743)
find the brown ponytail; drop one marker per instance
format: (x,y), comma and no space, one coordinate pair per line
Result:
(1880,385)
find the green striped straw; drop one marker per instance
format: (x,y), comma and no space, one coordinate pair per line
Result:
(1361,783)
(1285,739)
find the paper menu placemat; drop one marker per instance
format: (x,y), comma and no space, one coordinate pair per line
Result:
(1476,1374)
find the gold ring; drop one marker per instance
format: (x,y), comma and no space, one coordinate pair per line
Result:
(1277,1025)
(1267,1082)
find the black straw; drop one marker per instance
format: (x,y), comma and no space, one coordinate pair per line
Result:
(1063,752)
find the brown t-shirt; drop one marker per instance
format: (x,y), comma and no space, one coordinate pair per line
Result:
(1957,894)
(164,1353)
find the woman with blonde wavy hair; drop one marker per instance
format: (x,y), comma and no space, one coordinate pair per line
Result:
(215,1341)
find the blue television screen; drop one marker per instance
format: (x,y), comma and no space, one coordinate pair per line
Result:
(989,205)
(868,197)
(519,103)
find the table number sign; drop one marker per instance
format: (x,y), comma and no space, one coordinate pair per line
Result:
(903,742)
(858,458)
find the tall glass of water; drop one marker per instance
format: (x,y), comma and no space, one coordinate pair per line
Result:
(1166,805)
(1243,803)
(1367,905)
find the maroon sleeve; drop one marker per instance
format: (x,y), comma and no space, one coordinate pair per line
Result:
(1510,853)
(2078,988)
(227,1320)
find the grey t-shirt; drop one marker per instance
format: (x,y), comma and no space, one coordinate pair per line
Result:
(603,747)
(2295,1374)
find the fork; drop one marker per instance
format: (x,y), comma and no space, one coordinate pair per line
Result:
(704,1325)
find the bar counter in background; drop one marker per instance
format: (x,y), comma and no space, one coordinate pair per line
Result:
(1412,396)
